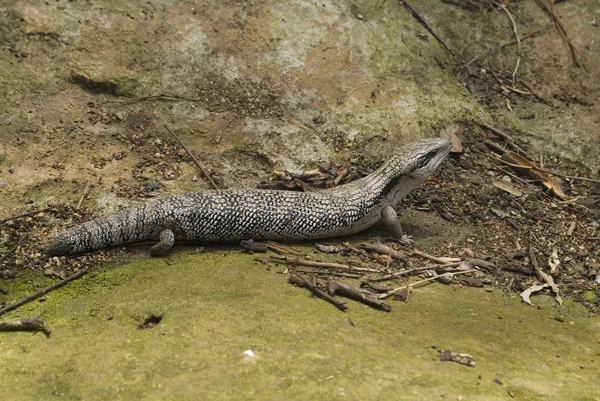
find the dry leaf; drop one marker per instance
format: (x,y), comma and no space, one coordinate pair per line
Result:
(524,167)
(527,293)
(450,133)
(550,282)
(553,260)
(508,188)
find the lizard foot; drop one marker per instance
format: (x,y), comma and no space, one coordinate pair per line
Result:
(406,239)
(166,241)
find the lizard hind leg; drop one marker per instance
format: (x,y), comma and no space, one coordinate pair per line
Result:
(165,243)
(390,217)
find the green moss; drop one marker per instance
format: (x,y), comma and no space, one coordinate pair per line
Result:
(590,296)
(218,304)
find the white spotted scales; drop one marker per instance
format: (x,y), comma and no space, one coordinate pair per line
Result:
(238,214)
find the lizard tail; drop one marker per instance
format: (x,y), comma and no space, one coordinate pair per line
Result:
(127,226)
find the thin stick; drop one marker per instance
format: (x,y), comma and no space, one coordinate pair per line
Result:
(162,96)
(435,258)
(384,249)
(395,290)
(575,52)
(85,192)
(340,176)
(14,248)
(535,264)
(309,263)
(502,46)
(415,270)
(506,137)
(200,166)
(274,246)
(302,282)
(349,291)
(328,273)
(18,216)
(502,6)
(572,177)
(425,25)
(29,324)
(43,291)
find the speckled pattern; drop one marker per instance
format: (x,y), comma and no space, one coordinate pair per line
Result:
(221,215)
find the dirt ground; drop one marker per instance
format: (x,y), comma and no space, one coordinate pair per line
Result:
(104,152)
(263,93)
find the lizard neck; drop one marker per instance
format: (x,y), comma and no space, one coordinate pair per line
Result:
(391,182)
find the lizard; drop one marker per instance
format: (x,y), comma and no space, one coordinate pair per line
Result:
(241,214)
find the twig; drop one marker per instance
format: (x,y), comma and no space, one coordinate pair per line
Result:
(29,324)
(484,264)
(200,166)
(162,96)
(395,290)
(274,246)
(502,6)
(506,137)
(328,273)
(348,291)
(325,265)
(18,216)
(384,250)
(340,176)
(445,261)
(425,25)
(571,177)
(302,282)
(85,192)
(43,291)
(14,248)
(535,264)
(534,92)
(502,46)
(415,270)
(575,52)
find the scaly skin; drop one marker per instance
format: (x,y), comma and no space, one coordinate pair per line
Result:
(236,214)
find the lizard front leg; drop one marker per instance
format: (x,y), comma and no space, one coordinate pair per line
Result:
(390,218)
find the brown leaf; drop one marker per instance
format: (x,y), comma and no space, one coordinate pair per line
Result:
(508,188)
(451,133)
(524,167)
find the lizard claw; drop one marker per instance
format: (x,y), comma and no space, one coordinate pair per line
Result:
(406,239)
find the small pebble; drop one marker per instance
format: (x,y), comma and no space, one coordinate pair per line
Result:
(446,278)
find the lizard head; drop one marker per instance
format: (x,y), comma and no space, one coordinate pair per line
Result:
(411,166)
(425,156)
